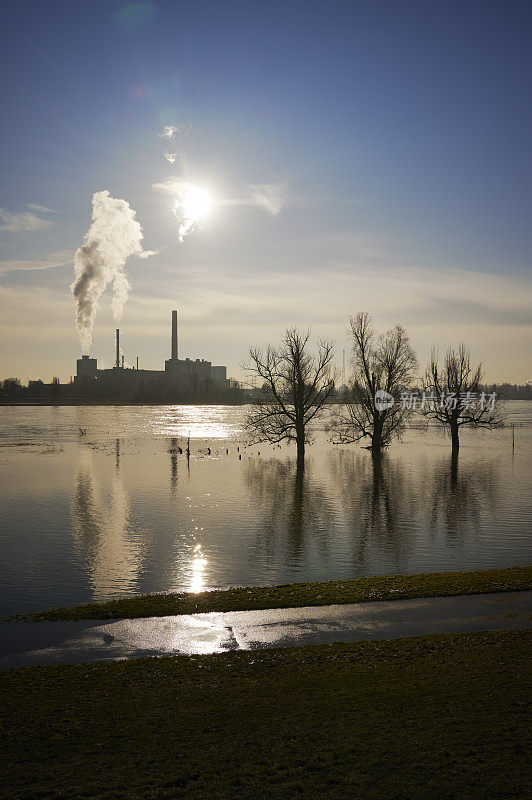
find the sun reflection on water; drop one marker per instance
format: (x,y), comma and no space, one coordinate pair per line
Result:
(198,422)
(197,578)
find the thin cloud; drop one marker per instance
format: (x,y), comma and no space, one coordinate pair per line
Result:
(169,131)
(272,197)
(61,258)
(170,186)
(171,157)
(45,209)
(19,221)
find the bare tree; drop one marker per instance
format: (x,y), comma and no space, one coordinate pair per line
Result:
(383,366)
(11,387)
(454,396)
(296,385)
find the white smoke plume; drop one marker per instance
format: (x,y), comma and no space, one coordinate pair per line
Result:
(114,235)
(171,157)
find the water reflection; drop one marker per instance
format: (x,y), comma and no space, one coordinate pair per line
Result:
(460,494)
(295,510)
(378,498)
(173,450)
(136,514)
(198,422)
(101,527)
(197,578)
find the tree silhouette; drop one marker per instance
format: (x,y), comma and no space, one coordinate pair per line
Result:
(452,395)
(297,384)
(11,387)
(383,363)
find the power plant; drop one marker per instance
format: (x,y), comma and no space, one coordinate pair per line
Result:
(179,374)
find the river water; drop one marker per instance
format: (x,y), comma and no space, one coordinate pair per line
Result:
(98,503)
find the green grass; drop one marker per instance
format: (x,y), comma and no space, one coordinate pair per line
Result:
(428,717)
(294,595)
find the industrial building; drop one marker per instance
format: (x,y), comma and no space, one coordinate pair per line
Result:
(181,375)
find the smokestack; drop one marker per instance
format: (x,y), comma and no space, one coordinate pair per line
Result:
(117,347)
(122,362)
(174,335)
(137,362)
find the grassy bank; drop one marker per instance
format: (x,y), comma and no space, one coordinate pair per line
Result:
(293,595)
(429,717)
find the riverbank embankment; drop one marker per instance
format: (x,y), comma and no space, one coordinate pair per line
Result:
(297,595)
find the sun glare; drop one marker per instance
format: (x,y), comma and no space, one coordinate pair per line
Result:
(192,206)
(197,203)
(197,578)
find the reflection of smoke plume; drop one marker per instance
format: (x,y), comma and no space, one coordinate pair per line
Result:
(113,236)
(171,157)
(102,529)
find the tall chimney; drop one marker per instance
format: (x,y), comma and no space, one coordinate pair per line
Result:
(174,335)
(117,347)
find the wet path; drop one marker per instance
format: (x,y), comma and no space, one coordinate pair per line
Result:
(30,643)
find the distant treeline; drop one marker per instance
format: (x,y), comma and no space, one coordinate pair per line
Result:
(511,391)
(151,391)
(504,391)
(204,391)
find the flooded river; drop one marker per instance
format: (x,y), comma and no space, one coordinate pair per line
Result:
(99,502)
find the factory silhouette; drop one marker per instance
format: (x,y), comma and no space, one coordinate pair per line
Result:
(181,373)
(182,380)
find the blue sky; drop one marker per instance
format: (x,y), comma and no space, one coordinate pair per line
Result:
(399,131)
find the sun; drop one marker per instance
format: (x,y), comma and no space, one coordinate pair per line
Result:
(197,203)
(192,206)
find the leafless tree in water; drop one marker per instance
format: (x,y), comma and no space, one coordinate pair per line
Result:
(454,396)
(296,385)
(384,363)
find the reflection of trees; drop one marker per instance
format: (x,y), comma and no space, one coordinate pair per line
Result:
(459,493)
(101,520)
(173,450)
(290,502)
(377,497)
(385,502)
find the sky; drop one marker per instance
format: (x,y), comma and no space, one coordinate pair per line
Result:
(360,156)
